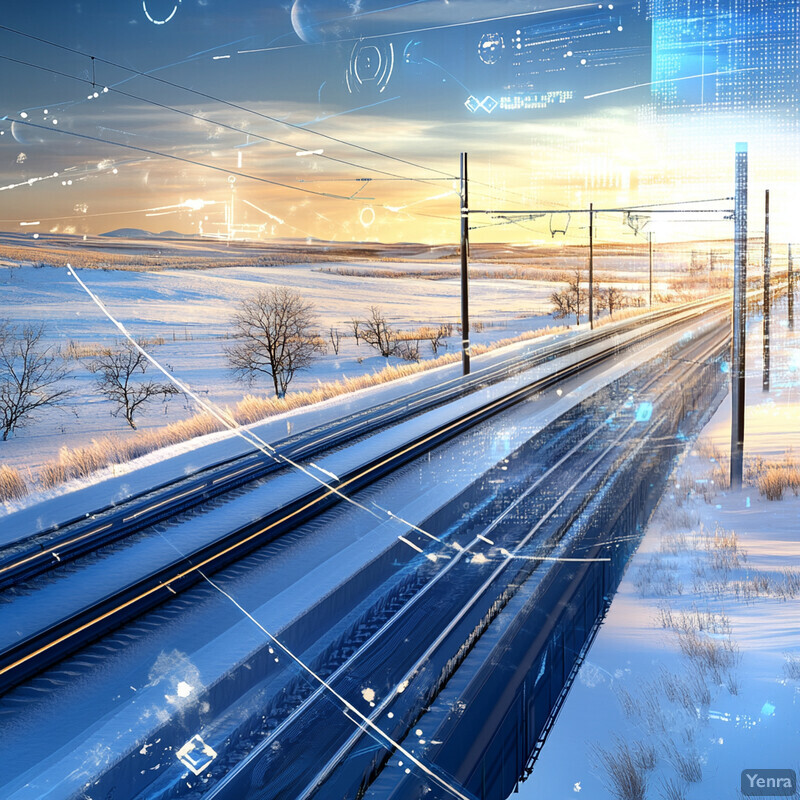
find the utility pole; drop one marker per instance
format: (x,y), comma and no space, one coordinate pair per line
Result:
(650,238)
(791,289)
(739,318)
(767,293)
(591,267)
(465,264)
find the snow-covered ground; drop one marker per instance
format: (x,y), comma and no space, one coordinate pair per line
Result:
(191,311)
(697,667)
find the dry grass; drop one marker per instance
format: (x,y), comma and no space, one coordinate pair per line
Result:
(792,666)
(12,484)
(776,479)
(75,351)
(87,258)
(670,789)
(75,463)
(625,773)
(657,578)
(686,762)
(715,656)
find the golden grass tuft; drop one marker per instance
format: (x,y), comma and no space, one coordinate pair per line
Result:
(775,479)
(12,484)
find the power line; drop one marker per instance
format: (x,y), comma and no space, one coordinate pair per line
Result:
(210,121)
(215,99)
(245,109)
(173,157)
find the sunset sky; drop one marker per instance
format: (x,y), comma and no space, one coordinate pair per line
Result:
(367,105)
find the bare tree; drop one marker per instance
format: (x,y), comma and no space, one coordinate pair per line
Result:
(276,336)
(377,332)
(355,326)
(437,339)
(570,300)
(612,299)
(118,370)
(336,339)
(31,375)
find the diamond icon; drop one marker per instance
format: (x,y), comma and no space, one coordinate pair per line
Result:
(196,754)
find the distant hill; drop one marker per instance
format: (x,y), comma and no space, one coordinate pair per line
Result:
(128,233)
(138,233)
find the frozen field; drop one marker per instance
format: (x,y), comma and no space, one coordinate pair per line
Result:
(191,311)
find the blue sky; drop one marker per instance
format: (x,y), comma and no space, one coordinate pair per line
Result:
(297,105)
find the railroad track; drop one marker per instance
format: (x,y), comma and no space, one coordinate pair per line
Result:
(39,649)
(32,554)
(334,744)
(465,592)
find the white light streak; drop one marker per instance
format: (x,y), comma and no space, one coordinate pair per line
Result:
(669,80)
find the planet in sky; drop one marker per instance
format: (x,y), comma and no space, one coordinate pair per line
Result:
(317,21)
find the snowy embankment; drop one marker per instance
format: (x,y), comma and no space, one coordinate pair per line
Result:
(133,696)
(695,675)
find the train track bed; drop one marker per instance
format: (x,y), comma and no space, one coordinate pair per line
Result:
(312,587)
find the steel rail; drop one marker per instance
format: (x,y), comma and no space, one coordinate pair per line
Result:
(48,549)
(40,650)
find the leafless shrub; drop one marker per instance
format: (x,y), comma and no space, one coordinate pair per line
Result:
(31,376)
(336,338)
(791,666)
(407,350)
(12,484)
(572,300)
(378,333)
(612,299)
(670,789)
(355,326)
(623,776)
